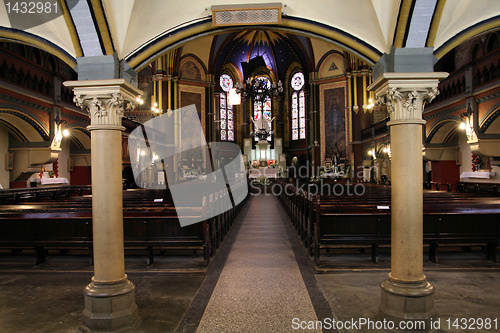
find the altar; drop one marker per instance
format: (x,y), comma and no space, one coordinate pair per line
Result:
(268,172)
(332,175)
(52,181)
(264,156)
(478,174)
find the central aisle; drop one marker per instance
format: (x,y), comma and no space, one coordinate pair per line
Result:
(260,288)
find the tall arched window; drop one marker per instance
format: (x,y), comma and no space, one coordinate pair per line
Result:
(263,108)
(298,109)
(226,110)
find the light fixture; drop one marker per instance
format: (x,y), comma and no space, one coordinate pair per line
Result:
(234,97)
(59,121)
(156,110)
(58,132)
(370,104)
(467,122)
(387,150)
(139,100)
(465,116)
(259,89)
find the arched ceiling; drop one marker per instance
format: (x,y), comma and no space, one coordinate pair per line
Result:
(138,30)
(21,128)
(277,49)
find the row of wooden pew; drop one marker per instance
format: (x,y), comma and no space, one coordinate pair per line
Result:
(463,187)
(326,222)
(150,223)
(40,193)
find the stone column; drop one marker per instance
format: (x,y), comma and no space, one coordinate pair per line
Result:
(110,297)
(406,294)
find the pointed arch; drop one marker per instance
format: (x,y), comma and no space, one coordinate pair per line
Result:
(443,131)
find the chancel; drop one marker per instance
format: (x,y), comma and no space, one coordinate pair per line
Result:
(259,167)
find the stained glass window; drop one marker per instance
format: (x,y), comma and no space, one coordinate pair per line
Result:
(257,113)
(302,114)
(297,81)
(264,110)
(226,110)
(226,83)
(268,114)
(295,116)
(298,107)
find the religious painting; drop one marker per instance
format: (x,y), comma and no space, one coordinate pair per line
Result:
(193,159)
(188,98)
(333,121)
(190,71)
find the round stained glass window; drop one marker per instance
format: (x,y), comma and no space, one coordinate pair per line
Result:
(298,81)
(226,83)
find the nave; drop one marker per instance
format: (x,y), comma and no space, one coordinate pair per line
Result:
(260,280)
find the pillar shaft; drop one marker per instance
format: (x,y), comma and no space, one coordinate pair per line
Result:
(407,203)
(406,294)
(107,206)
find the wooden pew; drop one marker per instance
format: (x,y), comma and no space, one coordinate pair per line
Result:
(41,193)
(327,222)
(67,224)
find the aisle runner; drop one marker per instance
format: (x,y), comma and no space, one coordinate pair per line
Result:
(261,288)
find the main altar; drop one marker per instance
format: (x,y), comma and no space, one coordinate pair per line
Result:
(264,159)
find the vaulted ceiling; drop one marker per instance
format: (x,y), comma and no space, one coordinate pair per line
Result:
(138,31)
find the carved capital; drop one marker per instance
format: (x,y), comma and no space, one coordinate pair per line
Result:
(105,101)
(405,94)
(407,106)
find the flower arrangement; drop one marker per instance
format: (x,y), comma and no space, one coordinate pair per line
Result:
(477,162)
(273,165)
(193,173)
(261,180)
(50,173)
(314,179)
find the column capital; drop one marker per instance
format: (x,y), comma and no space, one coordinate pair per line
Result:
(104,100)
(405,94)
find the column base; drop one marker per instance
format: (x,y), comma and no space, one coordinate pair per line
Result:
(109,307)
(403,301)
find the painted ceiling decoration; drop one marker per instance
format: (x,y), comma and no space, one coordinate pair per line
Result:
(139,33)
(274,50)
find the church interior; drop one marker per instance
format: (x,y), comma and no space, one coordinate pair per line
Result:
(250,166)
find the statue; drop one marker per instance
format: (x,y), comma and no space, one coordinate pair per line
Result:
(262,127)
